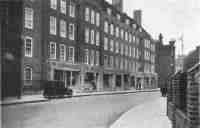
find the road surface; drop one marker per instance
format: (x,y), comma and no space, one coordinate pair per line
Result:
(79,112)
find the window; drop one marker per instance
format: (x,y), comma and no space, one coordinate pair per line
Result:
(97,57)
(63,6)
(92,57)
(111,61)
(130,51)
(28,47)
(117,47)
(97,38)
(116,62)
(71,31)
(133,39)
(126,48)
(130,37)
(112,29)
(127,21)
(122,49)
(71,54)
(117,32)
(122,33)
(92,36)
(118,17)
(134,52)
(86,57)
(105,43)
(87,14)
(97,19)
(28,74)
(92,17)
(111,45)
(106,27)
(105,60)
(53,4)
(126,36)
(28,18)
(72,9)
(63,28)
(52,50)
(62,52)
(87,34)
(109,11)
(53,25)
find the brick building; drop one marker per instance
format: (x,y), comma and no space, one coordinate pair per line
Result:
(183,101)
(85,43)
(165,61)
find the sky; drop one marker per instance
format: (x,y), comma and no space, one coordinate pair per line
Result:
(172,18)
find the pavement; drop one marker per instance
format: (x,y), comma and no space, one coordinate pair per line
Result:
(40,98)
(147,115)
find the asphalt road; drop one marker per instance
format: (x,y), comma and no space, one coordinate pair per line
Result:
(79,112)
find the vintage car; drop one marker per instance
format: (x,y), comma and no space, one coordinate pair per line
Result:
(55,89)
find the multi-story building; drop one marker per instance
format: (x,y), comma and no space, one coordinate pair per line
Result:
(165,61)
(86,44)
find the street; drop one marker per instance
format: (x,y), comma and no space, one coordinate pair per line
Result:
(80,112)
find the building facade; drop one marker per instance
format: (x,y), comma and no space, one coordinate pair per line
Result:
(87,44)
(165,61)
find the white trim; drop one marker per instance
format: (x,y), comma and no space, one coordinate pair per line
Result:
(28,18)
(53,4)
(71,35)
(52,24)
(54,56)
(63,6)
(25,53)
(72,54)
(60,47)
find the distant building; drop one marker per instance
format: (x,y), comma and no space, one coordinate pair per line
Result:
(179,63)
(165,61)
(80,42)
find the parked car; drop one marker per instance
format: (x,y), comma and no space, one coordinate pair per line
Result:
(53,89)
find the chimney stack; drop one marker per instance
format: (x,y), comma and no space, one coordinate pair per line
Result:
(118,4)
(137,15)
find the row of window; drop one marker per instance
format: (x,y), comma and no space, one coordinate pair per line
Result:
(149,45)
(63,28)
(91,57)
(92,16)
(65,53)
(92,37)
(120,33)
(120,63)
(149,57)
(63,6)
(120,48)
(149,68)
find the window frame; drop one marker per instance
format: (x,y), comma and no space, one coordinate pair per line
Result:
(72,9)
(25,47)
(50,50)
(62,58)
(63,26)
(27,81)
(28,18)
(53,25)
(53,4)
(63,6)
(72,32)
(71,58)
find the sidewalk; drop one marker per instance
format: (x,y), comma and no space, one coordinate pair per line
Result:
(148,115)
(40,98)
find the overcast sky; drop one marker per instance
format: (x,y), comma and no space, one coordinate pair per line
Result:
(170,17)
